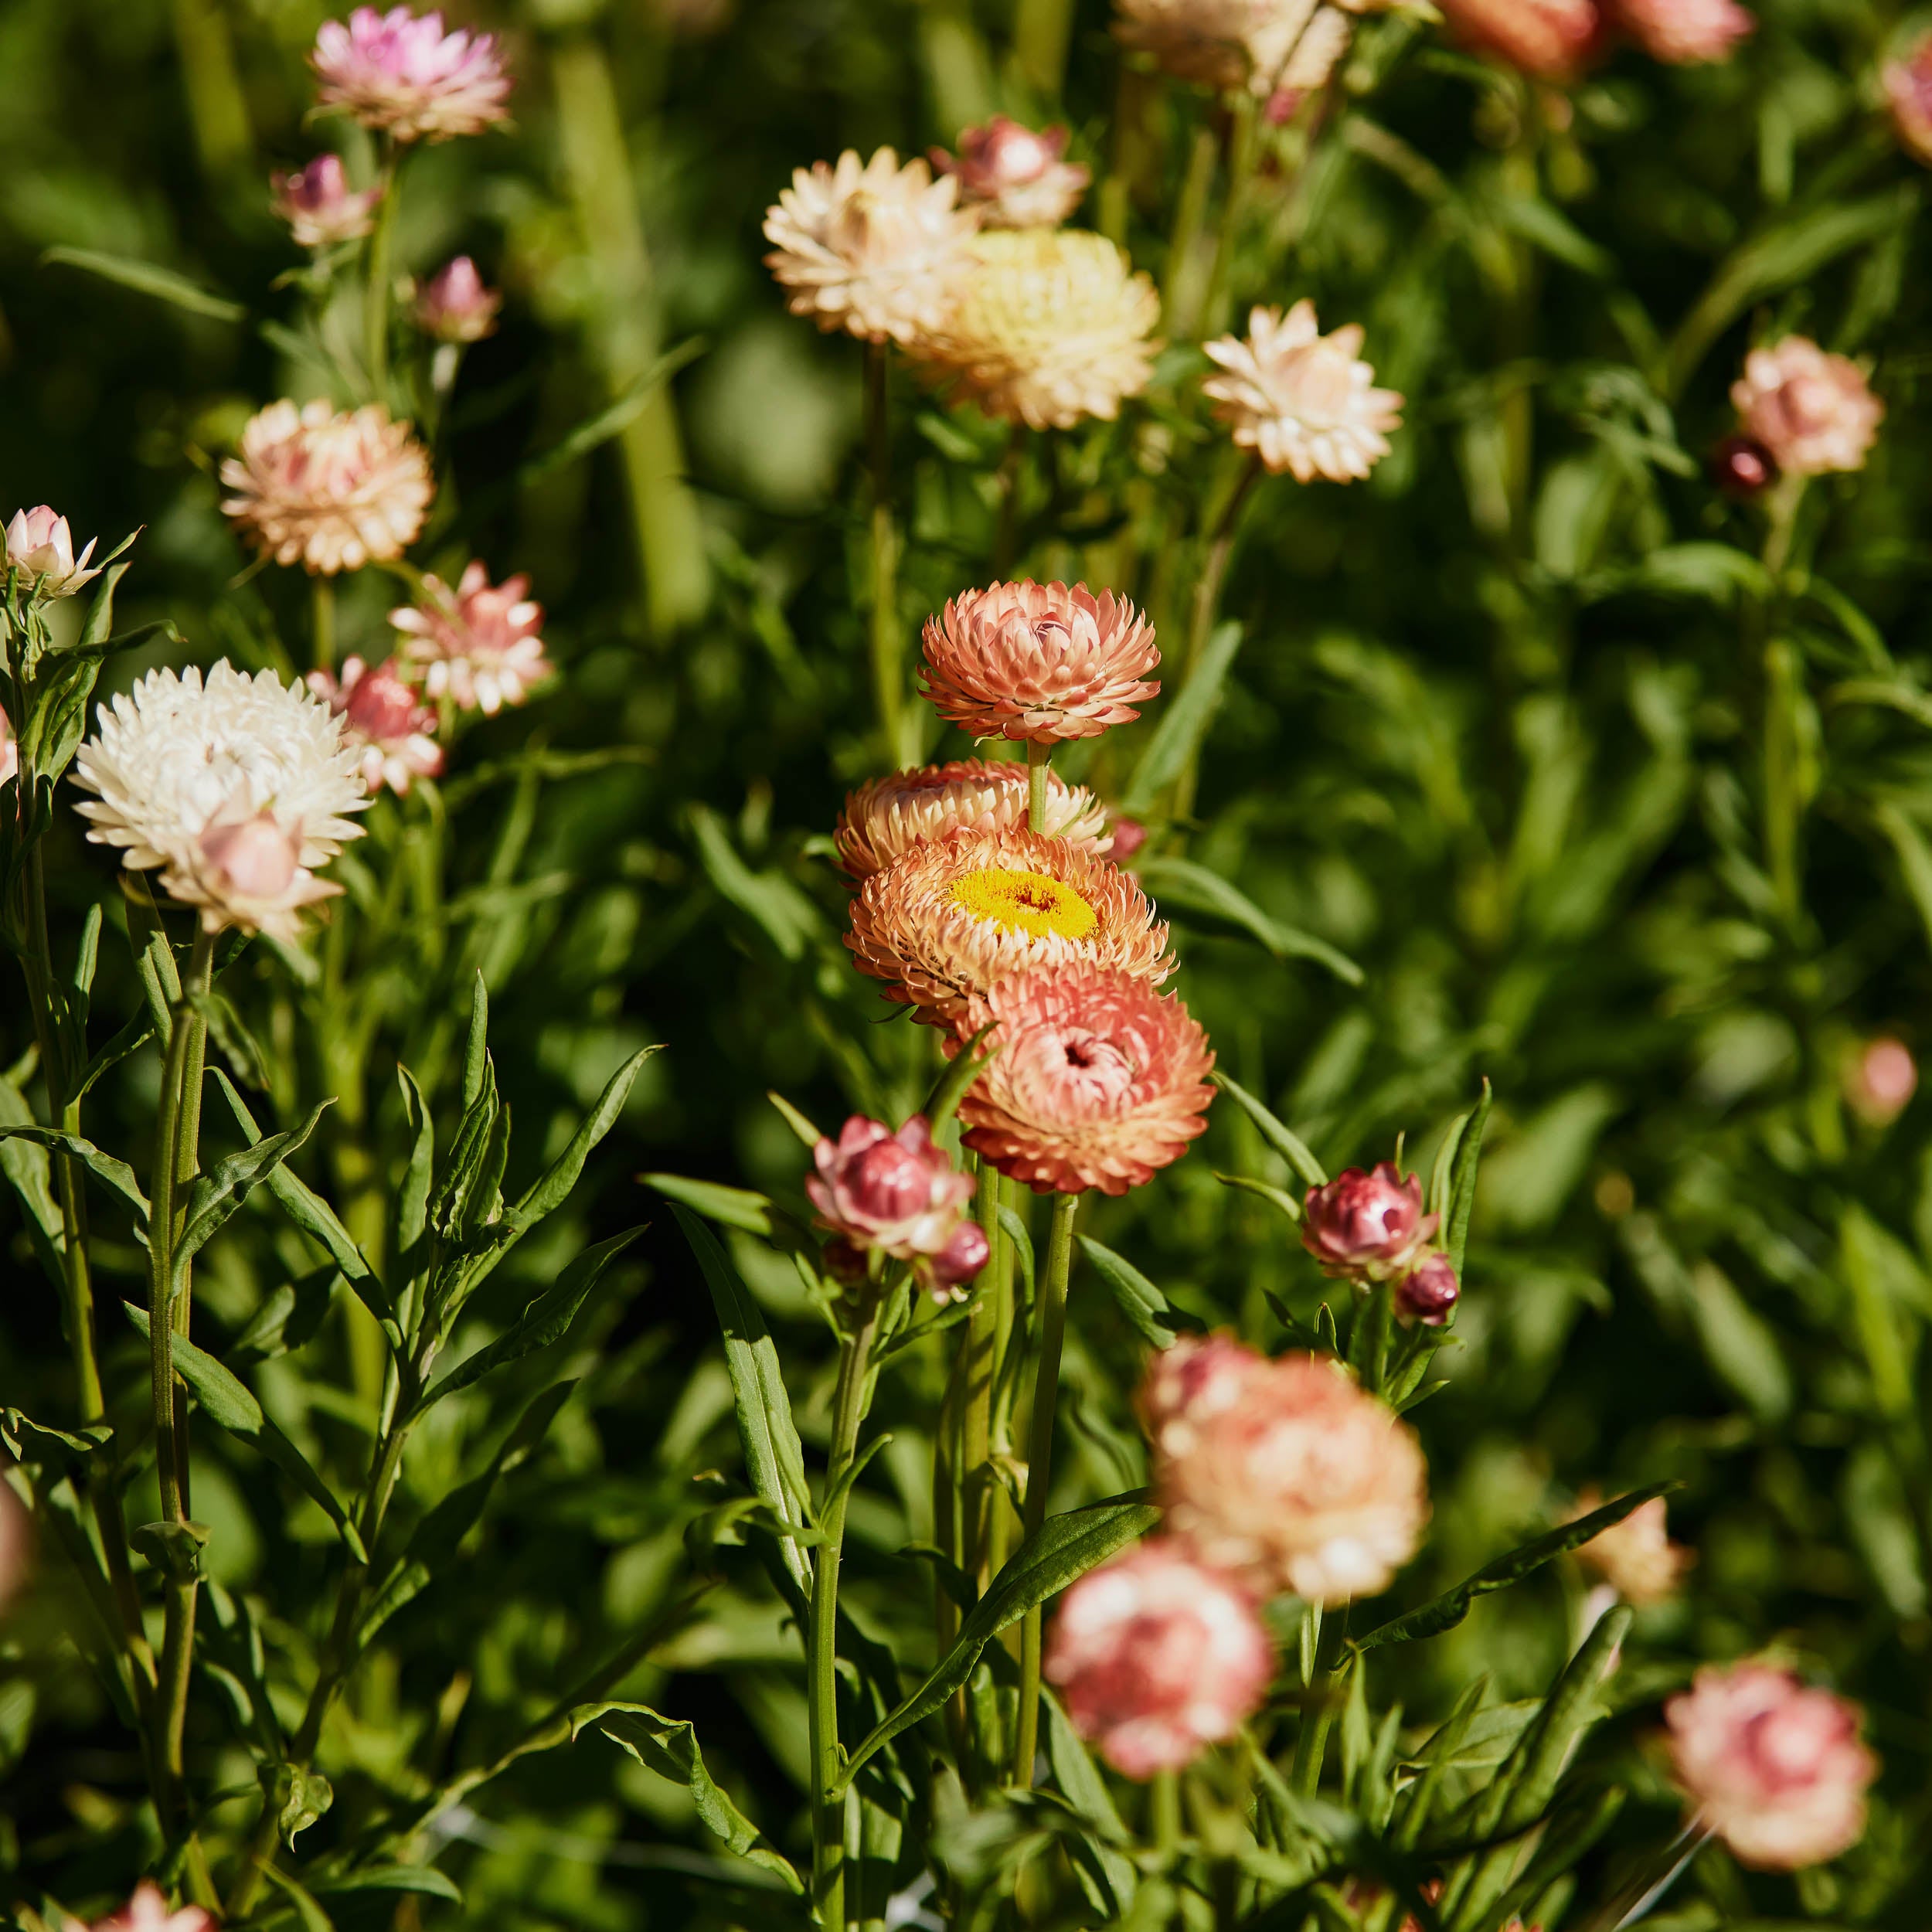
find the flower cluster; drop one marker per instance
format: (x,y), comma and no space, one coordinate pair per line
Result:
(1367,1228)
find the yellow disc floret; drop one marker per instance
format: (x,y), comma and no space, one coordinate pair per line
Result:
(1025,902)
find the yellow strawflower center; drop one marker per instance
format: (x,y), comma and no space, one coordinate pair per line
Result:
(1026,902)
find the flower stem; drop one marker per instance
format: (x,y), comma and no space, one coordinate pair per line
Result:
(322,605)
(1039,1463)
(1784,747)
(1005,532)
(376,293)
(1039,761)
(1207,606)
(888,687)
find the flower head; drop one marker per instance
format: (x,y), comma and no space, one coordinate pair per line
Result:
(478,645)
(1814,411)
(944,921)
(399,73)
(453,306)
(874,250)
(1015,177)
(887,816)
(1367,1227)
(895,1194)
(1191,1381)
(147,1911)
(9,749)
(1303,1482)
(393,730)
(330,492)
(1302,401)
(1429,1291)
(1742,468)
(1098,1081)
(1908,93)
(1776,1770)
(247,872)
(1551,40)
(1684,31)
(1046,326)
(1636,1557)
(1157,1657)
(1880,1077)
(178,754)
(319,205)
(40,546)
(1038,662)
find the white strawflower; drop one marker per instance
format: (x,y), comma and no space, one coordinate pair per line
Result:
(247,872)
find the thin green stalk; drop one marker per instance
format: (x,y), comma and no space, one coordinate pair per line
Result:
(1005,533)
(1207,607)
(1164,1811)
(1185,287)
(1783,686)
(1043,30)
(377,294)
(322,604)
(1244,151)
(888,695)
(1039,1463)
(1039,761)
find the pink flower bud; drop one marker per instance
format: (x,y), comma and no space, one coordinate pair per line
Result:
(961,1258)
(453,306)
(40,546)
(1014,176)
(896,1193)
(1880,1078)
(147,1911)
(319,205)
(1741,468)
(1429,1290)
(1684,31)
(1368,1227)
(1774,1769)
(1156,1657)
(1129,836)
(1814,411)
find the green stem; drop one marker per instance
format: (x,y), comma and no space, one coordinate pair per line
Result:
(1006,530)
(1039,1463)
(1042,32)
(1039,761)
(321,603)
(888,695)
(1244,151)
(1164,1808)
(981,1361)
(377,294)
(1207,607)
(1185,287)
(1783,686)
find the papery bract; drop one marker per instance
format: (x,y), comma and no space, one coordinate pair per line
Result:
(887,816)
(386,719)
(247,872)
(1368,1227)
(897,1194)
(40,546)
(476,644)
(400,74)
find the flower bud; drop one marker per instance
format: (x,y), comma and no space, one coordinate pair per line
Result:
(453,306)
(1368,1227)
(319,205)
(961,1258)
(1015,177)
(1880,1078)
(40,546)
(1742,467)
(1429,1290)
(1813,410)
(1129,836)
(896,1193)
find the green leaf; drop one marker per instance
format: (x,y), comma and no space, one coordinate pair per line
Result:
(1543,226)
(1455,1173)
(734,1207)
(30,1174)
(1446,1611)
(562,1175)
(768,899)
(808,1135)
(412,1200)
(1740,1345)
(1183,724)
(313,1917)
(1289,1145)
(1275,1196)
(148,278)
(118,1176)
(1023,1241)
(1154,1318)
(1083,1786)
(390,1878)
(1181,882)
(216,1194)
(1063,1549)
(952,1086)
(614,420)
(287,1320)
(300,1797)
(476,1043)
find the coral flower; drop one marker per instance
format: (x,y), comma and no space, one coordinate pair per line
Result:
(1814,411)
(875,250)
(1194,1379)
(897,1194)
(1038,662)
(1367,1227)
(1636,1557)
(331,492)
(40,546)
(1047,326)
(1302,401)
(394,729)
(887,816)
(9,749)
(478,645)
(1551,40)
(1684,31)
(1098,1081)
(944,921)
(1880,1077)
(1015,177)
(147,1911)
(1303,1483)
(1774,1769)
(454,306)
(247,873)
(320,207)
(1908,93)
(1157,1657)
(400,74)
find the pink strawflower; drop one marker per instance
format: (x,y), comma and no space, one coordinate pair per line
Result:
(40,546)
(147,1911)
(1814,411)
(1635,1557)
(1684,31)
(1196,1378)
(1880,1078)
(9,749)
(898,1195)
(1774,1769)
(454,306)
(400,74)
(1099,1081)
(1428,1291)
(395,729)
(247,873)
(1294,1479)
(1551,40)
(1038,662)
(1367,1227)
(477,645)
(1129,836)
(1157,1657)
(1015,177)
(319,205)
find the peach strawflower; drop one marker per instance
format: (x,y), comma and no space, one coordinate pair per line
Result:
(384,716)
(1038,662)
(454,306)
(898,1195)
(1099,1081)
(1367,1227)
(9,749)
(1908,93)
(1317,52)
(1156,1657)
(330,492)
(1015,177)
(40,546)
(1197,1377)
(147,1911)
(1774,1769)
(1880,1076)
(887,816)
(476,644)
(944,921)
(1813,410)
(1047,326)
(1636,1557)
(1684,31)
(1551,40)
(320,207)
(1304,1484)
(247,873)
(874,250)
(1302,401)
(400,74)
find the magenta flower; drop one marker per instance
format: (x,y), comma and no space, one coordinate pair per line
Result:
(476,645)
(1368,1227)
(385,716)
(454,306)
(400,74)
(1429,1290)
(898,1195)
(319,205)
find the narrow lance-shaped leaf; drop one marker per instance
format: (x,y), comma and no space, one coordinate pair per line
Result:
(1184,721)
(148,278)
(563,1173)
(1288,1144)
(216,1194)
(1456,1171)
(118,1176)
(953,1086)
(1180,882)
(1154,1318)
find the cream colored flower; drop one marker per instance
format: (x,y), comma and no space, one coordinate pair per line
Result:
(1302,401)
(1049,325)
(887,816)
(873,250)
(1636,1557)
(330,492)
(1814,411)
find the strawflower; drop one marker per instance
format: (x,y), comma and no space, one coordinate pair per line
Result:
(1367,1227)
(887,816)
(1155,1658)
(477,645)
(1636,1557)
(400,74)
(147,1911)
(1098,1081)
(1191,1381)
(247,873)
(1428,1292)
(40,546)
(1038,662)
(454,306)
(320,207)
(392,730)
(1015,177)
(1880,1077)
(1684,31)
(897,1194)
(1551,40)
(1813,410)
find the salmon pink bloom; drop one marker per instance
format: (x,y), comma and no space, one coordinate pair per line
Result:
(1015,177)
(1880,1077)
(1195,1379)
(1367,1227)
(453,305)
(1038,662)
(40,546)
(319,205)
(1774,1769)
(1684,31)
(1813,410)
(1636,1557)
(897,1194)
(147,1911)
(885,817)
(386,718)
(1156,1657)
(399,73)
(1551,40)
(1098,1081)
(477,645)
